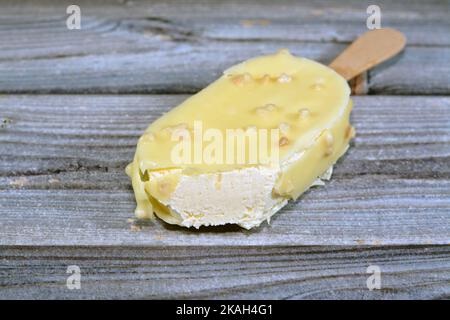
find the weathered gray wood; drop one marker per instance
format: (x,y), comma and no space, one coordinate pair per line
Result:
(424,23)
(222,273)
(398,136)
(176,47)
(62,178)
(189,67)
(413,72)
(62,158)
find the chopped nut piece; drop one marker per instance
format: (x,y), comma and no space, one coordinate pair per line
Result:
(218,182)
(164,187)
(304,113)
(270,107)
(240,79)
(284,141)
(266,109)
(284,78)
(265,79)
(284,127)
(350,132)
(289,186)
(283,51)
(319,84)
(147,137)
(329,140)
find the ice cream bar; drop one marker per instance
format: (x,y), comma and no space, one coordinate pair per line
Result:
(237,151)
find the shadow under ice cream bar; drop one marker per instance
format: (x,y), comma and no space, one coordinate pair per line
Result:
(308,102)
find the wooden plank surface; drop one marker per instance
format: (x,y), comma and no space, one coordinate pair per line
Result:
(160,47)
(65,200)
(419,272)
(62,179)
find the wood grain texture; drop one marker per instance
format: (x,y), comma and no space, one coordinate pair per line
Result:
(65,199)
(62,179)
(160,47)
(420,272)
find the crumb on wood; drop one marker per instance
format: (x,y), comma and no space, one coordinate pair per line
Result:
(135,228)
(158,237)
(255,22)
(53,181)
(19,182)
